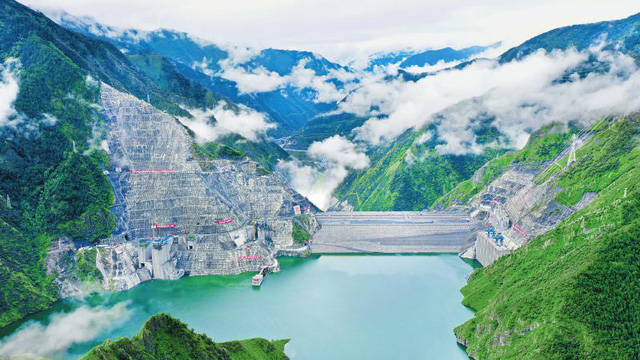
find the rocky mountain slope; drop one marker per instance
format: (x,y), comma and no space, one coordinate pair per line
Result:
(290,107)
(572,291)
(225,218)
(164,337)
(54,164)
(393,167)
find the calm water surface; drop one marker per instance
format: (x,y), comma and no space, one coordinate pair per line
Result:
(331,307)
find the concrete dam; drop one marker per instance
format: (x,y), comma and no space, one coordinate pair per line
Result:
(393,232)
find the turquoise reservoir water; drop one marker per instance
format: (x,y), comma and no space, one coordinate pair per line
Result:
(331,307)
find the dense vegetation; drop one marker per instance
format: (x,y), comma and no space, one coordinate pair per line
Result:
(572,293)
(266,153)
(623,35)
(164,337)
(52,190)
(411,175)
(86,265)
(543,146)
(165,75)
(51,180)
(299,234)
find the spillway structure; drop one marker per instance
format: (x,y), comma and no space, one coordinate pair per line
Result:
(394,232)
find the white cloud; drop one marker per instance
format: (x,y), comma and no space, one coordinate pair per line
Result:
(339,151)
(259,79)
(412,104)
(519,110)
(64,330)
(337,155)
(203,66)
(256,80)
(344,30)
(326,91)
(9,89)
(521,95)
(440,65)
(240,54)
(244,121)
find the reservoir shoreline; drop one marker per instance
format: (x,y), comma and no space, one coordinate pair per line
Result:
(330,306)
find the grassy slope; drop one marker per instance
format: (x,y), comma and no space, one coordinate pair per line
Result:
(395,182)
(572,293)
(164,337)
(543,145)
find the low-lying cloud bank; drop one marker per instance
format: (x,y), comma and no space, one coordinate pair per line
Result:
(9,89)
(64,330)
(338,155)
(242,121)
(520,95)
(259,80)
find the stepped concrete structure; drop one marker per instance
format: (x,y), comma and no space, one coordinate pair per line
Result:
(393,232)
(180,215)
(520,204)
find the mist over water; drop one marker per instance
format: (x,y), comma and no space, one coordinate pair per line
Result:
(331,307)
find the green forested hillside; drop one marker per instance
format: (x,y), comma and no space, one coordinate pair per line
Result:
(622,35)
(573,293)
(408,174)
(51,181)
(51,189)
(167,77)
(164,337)
(543,146)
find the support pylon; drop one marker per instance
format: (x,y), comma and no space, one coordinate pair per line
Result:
(572,154)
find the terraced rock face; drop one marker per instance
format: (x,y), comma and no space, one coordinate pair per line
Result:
(521,204)
(225,220)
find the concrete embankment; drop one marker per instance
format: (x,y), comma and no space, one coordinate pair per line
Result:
(393,232)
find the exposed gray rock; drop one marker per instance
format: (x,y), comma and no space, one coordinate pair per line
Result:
(62,263)
(174,217)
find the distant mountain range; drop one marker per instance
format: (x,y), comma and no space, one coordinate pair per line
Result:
(620,35)
(392,183)
(290,106)
(571,294)
(408,58)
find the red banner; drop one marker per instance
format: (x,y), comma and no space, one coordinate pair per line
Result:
(519,230)
(150,171)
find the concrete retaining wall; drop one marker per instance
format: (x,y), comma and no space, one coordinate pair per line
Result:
(487,251)
(393,232)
